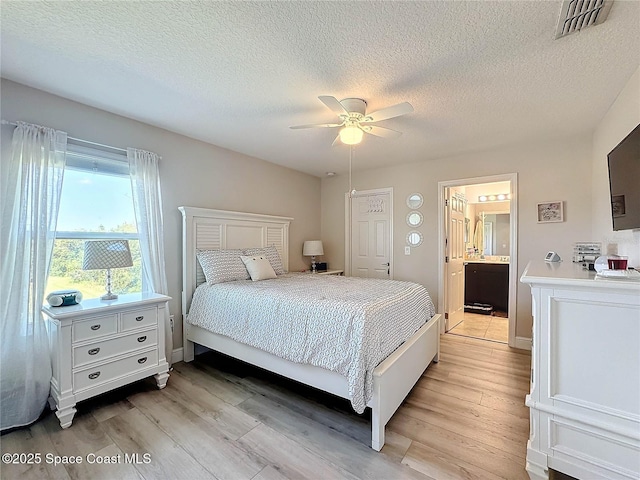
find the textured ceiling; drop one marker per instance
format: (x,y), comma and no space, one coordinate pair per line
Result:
(479,74)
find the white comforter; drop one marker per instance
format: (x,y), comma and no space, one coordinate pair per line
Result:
(344,324)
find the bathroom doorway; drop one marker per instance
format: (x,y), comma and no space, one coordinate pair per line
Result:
(485,287)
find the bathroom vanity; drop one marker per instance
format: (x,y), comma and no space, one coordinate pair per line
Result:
(487,282)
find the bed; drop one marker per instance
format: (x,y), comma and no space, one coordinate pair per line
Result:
(388,383)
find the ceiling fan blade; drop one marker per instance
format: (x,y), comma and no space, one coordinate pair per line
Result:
(389,112)
(381,131)
(336,141)
(333,104)
(317,125)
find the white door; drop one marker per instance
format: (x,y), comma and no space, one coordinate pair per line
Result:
(454,257)
(371,235)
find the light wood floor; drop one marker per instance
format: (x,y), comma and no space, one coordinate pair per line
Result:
(217,418)
(488,327)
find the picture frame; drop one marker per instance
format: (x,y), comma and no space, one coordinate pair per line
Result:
(618,206)
(550,212)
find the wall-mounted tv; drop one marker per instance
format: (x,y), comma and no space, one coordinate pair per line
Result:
(624,182)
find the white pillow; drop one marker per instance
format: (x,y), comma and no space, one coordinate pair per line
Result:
(222,266)
(258,266)
(271,253)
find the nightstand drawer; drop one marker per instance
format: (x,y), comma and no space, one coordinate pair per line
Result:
(95,327)
(91,377)
(139,318)
(94,352)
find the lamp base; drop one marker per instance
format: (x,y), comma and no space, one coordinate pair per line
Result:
(109,296)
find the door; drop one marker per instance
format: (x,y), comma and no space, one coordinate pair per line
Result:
(454,257)
(371,235)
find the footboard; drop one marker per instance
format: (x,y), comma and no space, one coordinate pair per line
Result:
(394,378)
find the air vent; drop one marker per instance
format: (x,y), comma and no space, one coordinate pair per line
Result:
(578,14)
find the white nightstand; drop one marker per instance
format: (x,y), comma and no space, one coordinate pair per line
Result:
(98,345)
(331,272)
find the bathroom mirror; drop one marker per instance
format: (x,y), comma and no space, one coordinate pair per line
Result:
(414,219)
(414,201)
(414,238)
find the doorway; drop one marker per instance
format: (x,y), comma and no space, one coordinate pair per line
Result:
(478,287)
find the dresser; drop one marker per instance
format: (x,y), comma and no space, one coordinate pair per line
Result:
(585,374)
(99,345)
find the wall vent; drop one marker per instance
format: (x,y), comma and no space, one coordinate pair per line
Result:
(578,14)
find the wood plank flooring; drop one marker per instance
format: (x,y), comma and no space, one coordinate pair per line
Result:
(221,419)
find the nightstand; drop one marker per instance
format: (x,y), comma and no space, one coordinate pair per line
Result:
(331,272)
(99,345)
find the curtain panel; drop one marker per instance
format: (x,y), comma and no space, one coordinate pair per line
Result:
(147,202)
(30,197)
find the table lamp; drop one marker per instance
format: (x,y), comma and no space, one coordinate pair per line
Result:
(106,254)
(312,248)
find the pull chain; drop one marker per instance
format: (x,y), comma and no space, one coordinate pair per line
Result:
(351,190)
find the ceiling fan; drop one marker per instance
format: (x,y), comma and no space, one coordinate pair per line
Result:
(355,121)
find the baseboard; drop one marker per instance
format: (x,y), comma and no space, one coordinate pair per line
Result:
(177,355)
(523,343)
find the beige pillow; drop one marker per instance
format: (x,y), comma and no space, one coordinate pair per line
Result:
(259,267)
(272,255)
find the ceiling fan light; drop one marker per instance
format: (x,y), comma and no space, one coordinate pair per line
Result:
(351,135)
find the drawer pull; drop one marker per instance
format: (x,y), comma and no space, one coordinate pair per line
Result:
(142,339)
(139,319)
(94,351)
(142,360)
(93,376)
(95,327)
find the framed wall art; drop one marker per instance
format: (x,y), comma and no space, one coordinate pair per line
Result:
(549,212)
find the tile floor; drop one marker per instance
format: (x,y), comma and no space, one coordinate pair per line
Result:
(488,327)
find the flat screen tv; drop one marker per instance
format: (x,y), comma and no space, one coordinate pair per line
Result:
(624,182)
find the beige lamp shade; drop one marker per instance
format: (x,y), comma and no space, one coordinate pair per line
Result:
(312,248)
(105,254)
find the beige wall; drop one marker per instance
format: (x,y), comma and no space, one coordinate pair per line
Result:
(622,117)
(192,173)
(547,170)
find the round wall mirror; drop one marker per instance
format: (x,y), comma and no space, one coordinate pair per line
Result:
(414,238)
(414,201)
(414,219)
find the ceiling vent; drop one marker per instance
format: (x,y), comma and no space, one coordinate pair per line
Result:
(578,14)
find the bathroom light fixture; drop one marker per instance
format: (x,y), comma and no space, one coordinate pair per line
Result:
(351,135)
(494,198)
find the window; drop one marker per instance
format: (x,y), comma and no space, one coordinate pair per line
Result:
(96,203)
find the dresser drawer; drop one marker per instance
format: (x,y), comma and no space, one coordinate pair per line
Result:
(139,318)
(94,352)
(90,377)
(95,328)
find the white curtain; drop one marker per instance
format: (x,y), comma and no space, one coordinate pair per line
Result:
(147,202)
(30,196)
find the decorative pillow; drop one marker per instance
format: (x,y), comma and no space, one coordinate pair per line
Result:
(222,266)
(259,267)
(271,253)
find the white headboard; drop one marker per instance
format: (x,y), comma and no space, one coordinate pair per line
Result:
(206,229)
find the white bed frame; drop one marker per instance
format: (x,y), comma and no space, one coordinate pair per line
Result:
(214,229)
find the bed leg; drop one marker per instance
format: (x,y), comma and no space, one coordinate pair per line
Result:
(188,351)
(377,431)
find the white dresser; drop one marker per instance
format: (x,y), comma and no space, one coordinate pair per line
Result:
(98,345)
(585,377)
